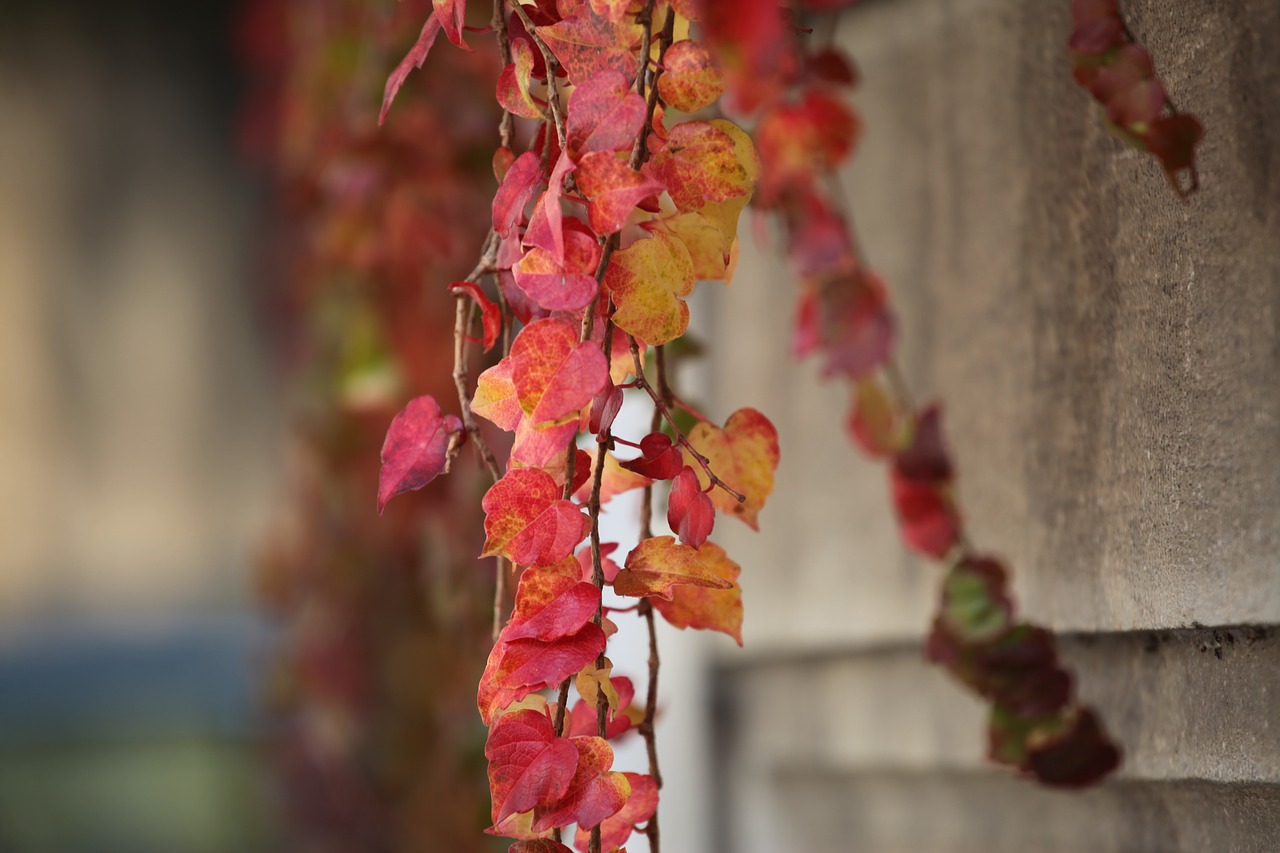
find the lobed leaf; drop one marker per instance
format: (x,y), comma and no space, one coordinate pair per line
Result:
(561,286)
(551,602)
(603,115)
(587,43)
(613,189)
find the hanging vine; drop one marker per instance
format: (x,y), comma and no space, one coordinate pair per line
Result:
(619,188)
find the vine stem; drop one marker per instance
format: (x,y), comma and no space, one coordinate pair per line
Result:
(553,87)
(662,407)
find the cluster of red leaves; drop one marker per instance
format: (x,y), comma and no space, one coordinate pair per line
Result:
(1120,74)
(601,228)
(805,130)
(369,754)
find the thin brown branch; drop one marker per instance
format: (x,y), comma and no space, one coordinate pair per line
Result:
(499,24)
(553,64)
(640,152)
(661,405)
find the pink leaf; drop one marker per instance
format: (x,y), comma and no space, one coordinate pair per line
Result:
(415,450)
(413,59)
(490,313)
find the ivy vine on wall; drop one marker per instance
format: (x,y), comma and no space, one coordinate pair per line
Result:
(634,134)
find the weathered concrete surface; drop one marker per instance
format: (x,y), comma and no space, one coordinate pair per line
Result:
(878,751)
(1109,360)
(1108,356)
(1185,704)
(901,812)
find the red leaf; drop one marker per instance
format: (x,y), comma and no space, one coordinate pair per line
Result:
(613,189)
(517,189)
(566,286)
(661,460)
(490,313)
(413,59)
(513,83)
(605,407)
(528,765)
(615,831)
(610,568)
(517,668)
(594,794)
(543,448)
(587,43)
(690,513)
(799,141)
(452,13)
(1080,756)
(752,44)
(526,520)
(551,603)
(603,115)
(927,516)
(554,374)
(414,452)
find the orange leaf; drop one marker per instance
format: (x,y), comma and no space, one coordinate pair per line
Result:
(659,564)
(690,78)
(495,398)
(699,164)
(708,609)
(646,282)
(744,455)
(588,43)
(613,189)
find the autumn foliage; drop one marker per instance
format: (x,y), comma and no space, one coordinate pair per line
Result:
(620,183)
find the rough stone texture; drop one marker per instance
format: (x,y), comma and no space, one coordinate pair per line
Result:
(1109,358)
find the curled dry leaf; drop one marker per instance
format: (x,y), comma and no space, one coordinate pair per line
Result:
(706,608)
(659,564)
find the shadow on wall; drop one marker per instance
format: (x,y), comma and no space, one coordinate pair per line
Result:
(138,424)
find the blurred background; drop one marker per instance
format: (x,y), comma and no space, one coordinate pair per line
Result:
(208,641)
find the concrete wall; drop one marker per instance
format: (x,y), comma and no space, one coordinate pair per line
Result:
(1109,361)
